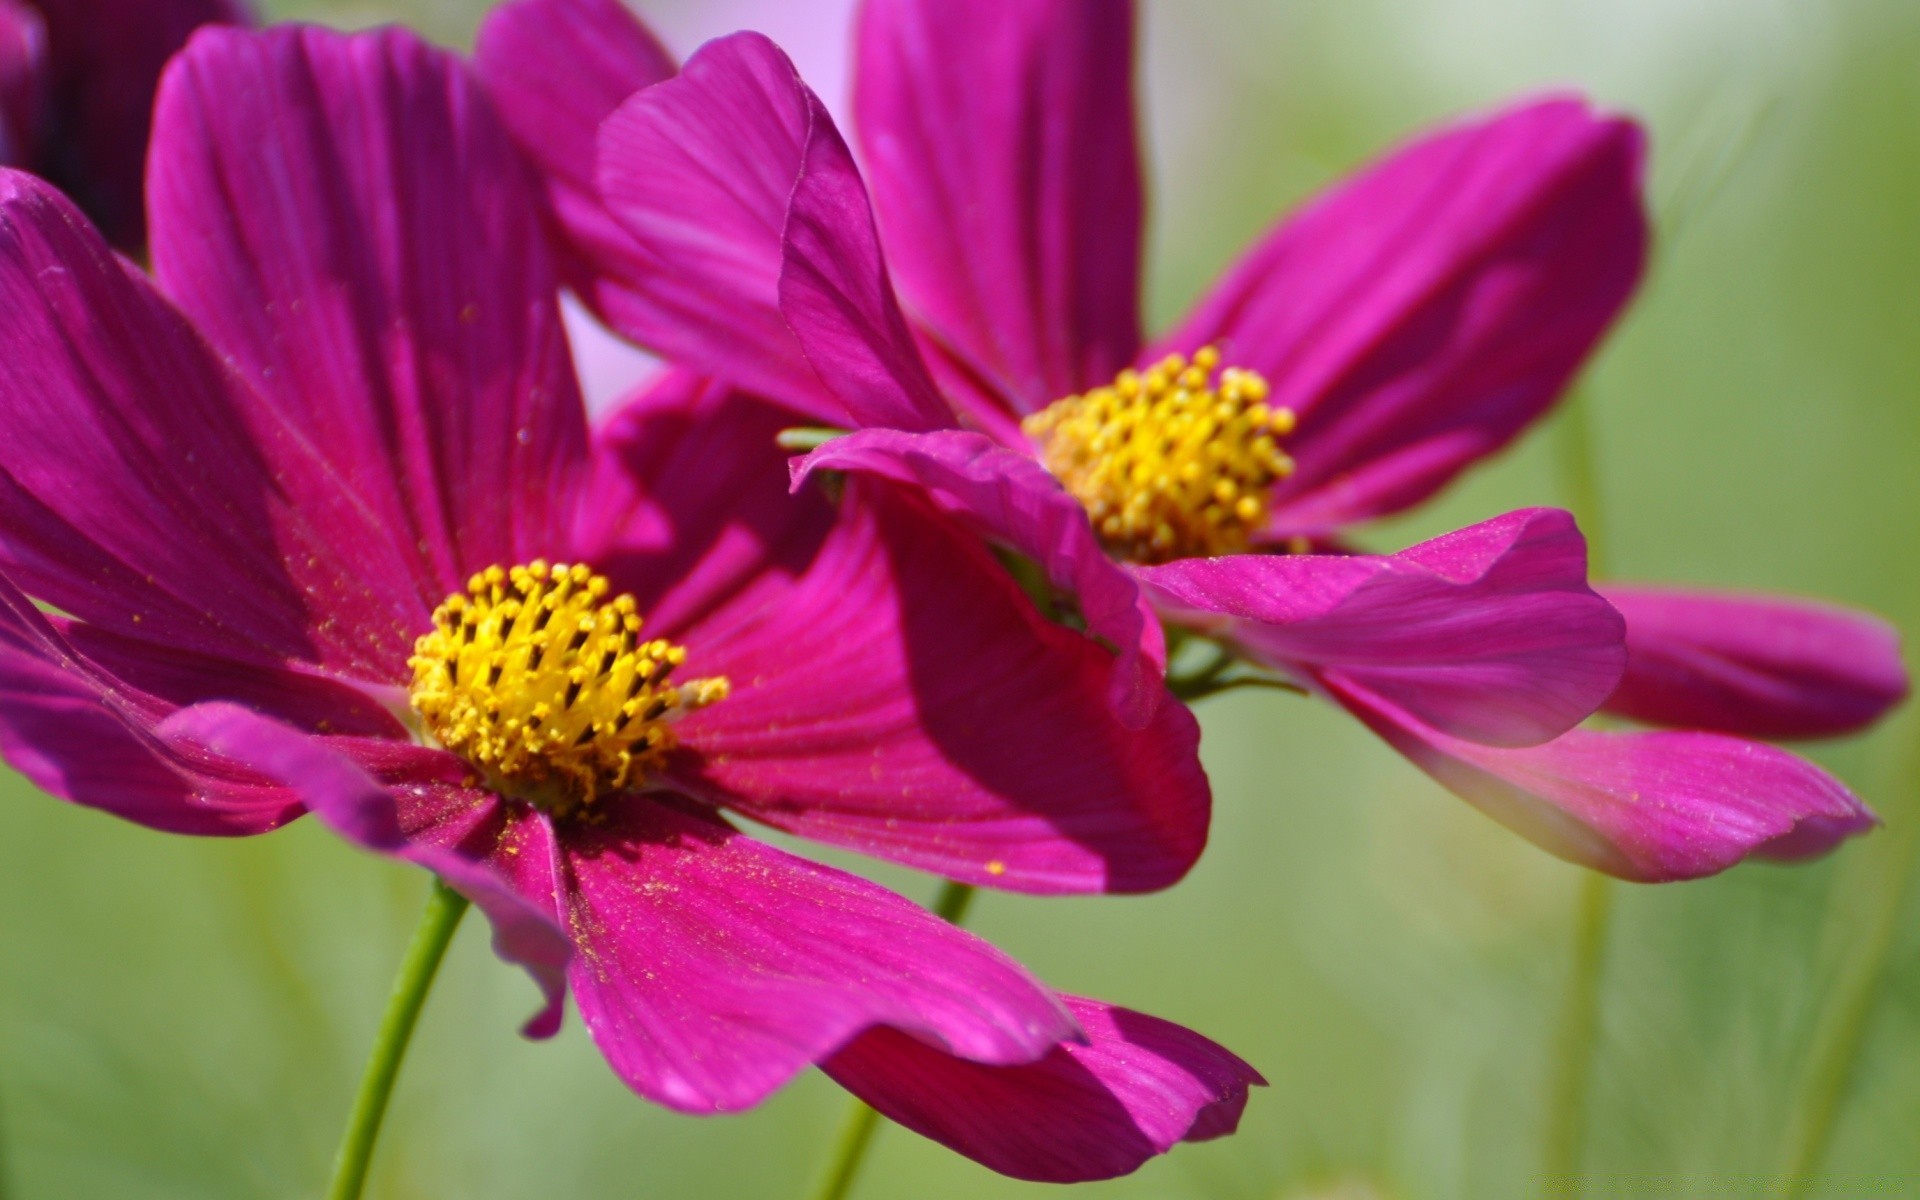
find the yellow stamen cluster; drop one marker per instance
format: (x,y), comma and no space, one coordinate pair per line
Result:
(1173,462)
(539,680)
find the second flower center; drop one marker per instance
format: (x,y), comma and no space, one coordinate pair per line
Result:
(542,682)
(1172,462)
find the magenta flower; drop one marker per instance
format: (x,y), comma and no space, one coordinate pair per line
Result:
(1372,346)
(76,94)
(318,524)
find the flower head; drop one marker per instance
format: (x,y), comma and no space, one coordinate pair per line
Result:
(970,307)
(284,528)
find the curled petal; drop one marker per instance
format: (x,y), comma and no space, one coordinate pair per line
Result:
(1489,633)
(713,968)
(1648,807)
(1420,315)
(1010,498)
(1754,666)
(357,808)
(999,135)
(1136,1088)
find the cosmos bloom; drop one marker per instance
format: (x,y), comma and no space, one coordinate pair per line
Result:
(313,521)
(76,94)
(1391,333)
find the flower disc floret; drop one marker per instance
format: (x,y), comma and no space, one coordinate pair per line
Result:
(1172,462)
(543,683)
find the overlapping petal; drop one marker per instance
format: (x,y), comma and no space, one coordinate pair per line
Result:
(713,968)
(1489,633)
(1421,314)
(905,699)
(1755,666)
(1138,1087)
(1649,807)
(359,809)
(999,136)
(347,221)
(1011,499)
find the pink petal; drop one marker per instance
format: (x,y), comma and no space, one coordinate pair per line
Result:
(105,57)
(713,968)
(905,699)
(83,735)
(1489,633)
(688,507)
(348,221)
(1000,138)
(1136,1089)
(1010,498)
(698,171)
(555,70)
(1650,807)
(1423,313)
(200,523)
(341,794)
(23,83)
(1755,666)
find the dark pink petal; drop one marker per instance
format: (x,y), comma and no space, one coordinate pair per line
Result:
(1650,807)
(1010,498)
(1420,315)
(698,171)
(1755,666)
(353,805)
(105,58)
(688,504)
(347,220)
(1489,633)
(749,214)
(905,699)
(556,69)
(1136,1089)
(23,83)
(999,135)
(200,522)
(83,735)
(713,968)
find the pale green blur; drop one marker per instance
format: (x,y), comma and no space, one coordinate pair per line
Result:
(184,1018)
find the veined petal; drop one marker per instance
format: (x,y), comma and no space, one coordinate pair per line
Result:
(346,219)
(1489,633)
(1648,807)
(202,523)
(357,808)
(1420,315)
(713,968)
(1136,1088)
(555,70)
(905,699)
(999,135)
(1010,498)
(1755,666)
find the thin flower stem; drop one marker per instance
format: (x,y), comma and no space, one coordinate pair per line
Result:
(431,937)
(802,438)
(861,1123)
(1201,689)
(1839,1038)
(1577,1038)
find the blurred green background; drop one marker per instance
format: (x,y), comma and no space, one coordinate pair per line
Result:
(184,1018)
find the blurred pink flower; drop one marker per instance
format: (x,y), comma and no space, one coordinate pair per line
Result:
(1411,321)
(268,499)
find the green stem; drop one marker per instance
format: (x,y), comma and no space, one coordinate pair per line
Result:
(861,1123)
(802,438)
(442,916)
(1576,444)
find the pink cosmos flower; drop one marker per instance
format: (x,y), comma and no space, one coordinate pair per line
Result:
(1407,324)
(313,521)
(76,94)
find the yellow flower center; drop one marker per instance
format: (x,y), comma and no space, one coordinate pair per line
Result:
(539,680)
(1173,462)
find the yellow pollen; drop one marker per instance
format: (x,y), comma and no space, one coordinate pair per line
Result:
(1172,462)
(539,679)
